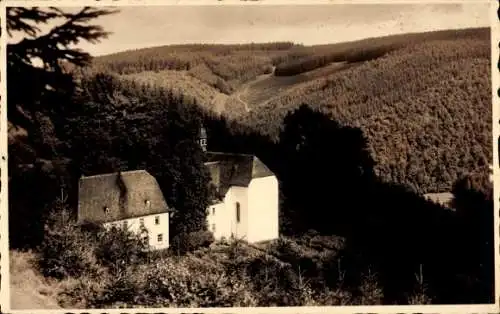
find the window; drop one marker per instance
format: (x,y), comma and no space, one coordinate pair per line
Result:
(157,220)
(213,210)
(160,237)
(125,224)
(141,222)
(237,212)
(213,228)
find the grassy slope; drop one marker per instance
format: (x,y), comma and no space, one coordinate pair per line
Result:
(29,289)
(182,82)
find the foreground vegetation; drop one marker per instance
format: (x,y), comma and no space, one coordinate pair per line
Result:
(287,272)
(86,266)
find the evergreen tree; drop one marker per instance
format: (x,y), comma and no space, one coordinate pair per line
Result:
(325,166)
(39,89)
(37,65)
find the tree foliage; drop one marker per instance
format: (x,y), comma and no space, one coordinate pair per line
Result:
(221,66)
(125,126)
(422,108)
(35,64)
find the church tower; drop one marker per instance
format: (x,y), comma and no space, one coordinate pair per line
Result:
(202,138)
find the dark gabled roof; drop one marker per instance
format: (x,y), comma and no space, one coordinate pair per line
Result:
(125,195)
(228,170)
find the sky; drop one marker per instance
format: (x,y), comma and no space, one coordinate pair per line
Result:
(140,27)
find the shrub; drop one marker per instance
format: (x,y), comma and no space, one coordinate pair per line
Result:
(189,242)
(370,290)
(268,70)
(66,251)
(118,248)
(83,292)
(174,283)
(329,297)
(420,293)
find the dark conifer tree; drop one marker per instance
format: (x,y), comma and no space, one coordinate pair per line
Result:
(30,84)
(39,90)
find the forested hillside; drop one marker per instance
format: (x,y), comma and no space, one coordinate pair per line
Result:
(423,100)
(425,109)
(221,66)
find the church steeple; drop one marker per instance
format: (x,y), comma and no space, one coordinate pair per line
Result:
(202,138)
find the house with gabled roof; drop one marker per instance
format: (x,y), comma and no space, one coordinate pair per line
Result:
(129,199)
(245,200)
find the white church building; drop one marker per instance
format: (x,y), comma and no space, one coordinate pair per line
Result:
(245,203)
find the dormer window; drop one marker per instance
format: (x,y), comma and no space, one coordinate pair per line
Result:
(106,210)
(148,203)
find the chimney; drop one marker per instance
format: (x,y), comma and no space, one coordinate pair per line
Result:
(123,193)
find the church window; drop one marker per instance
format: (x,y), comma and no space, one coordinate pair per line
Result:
(237,212)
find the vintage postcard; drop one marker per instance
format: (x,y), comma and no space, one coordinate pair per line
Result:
(242,156)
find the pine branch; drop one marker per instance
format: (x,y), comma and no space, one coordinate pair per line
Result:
(53,49)
(47,46)
(16,19)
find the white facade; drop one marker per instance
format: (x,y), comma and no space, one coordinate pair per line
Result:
(263,204)
(247,213)
(157,227)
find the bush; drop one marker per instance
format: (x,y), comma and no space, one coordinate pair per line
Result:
(118,248)
(174,283)
(268,70)
(370,290)
(189,242)
(66,251)
(83,292)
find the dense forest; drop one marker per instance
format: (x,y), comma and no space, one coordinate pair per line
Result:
(425,131)
(423,108)
(350,163)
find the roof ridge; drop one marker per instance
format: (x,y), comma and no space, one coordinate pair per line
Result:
(113,173)
(233,154)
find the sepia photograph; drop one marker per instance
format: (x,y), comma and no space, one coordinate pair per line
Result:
(249,156)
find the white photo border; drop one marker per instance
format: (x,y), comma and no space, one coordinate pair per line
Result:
(4,246)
